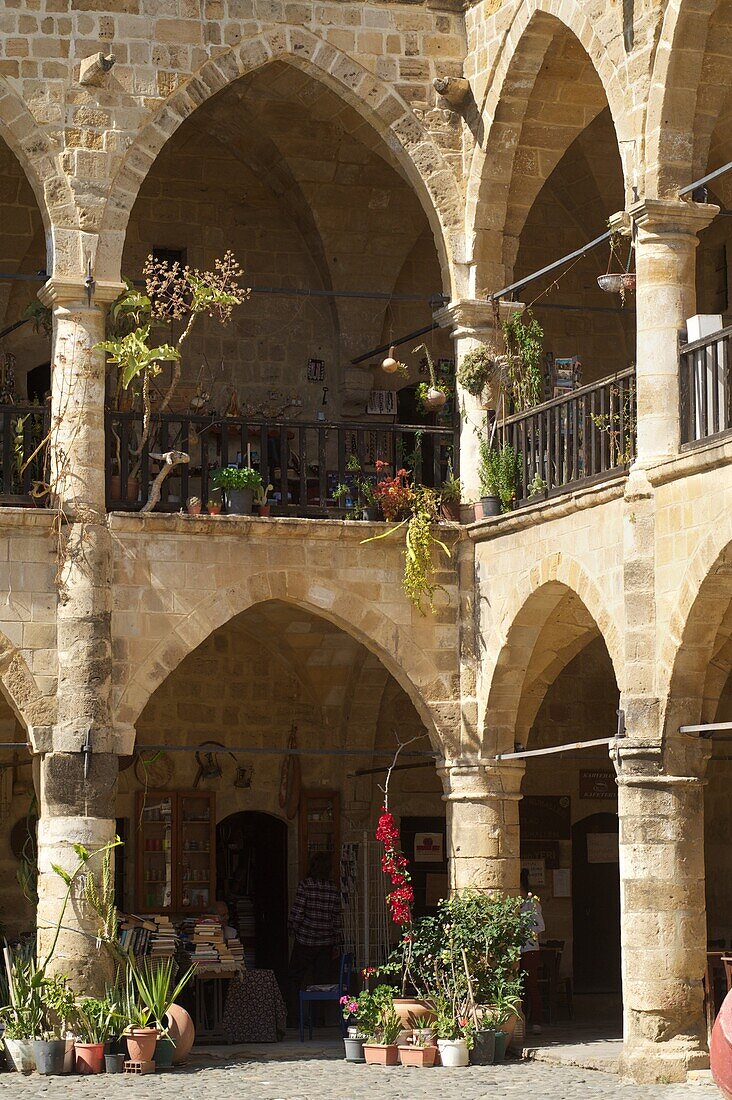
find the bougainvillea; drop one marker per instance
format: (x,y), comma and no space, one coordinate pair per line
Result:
(392,493)
(395,864)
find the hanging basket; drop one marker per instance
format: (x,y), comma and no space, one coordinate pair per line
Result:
(434,400)
(617,282)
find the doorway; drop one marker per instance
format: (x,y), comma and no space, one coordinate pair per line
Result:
(251,872)
(596,904)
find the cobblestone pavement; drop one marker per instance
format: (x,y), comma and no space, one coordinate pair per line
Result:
(324,1078)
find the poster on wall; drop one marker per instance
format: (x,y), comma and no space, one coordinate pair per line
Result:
(316,370)
(537,871)
(545,817)
(382,403)
(597,783)
(429,848)
(602,848)
(562,882)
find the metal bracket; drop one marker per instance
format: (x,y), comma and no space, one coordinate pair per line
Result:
(621,724)
(86,750)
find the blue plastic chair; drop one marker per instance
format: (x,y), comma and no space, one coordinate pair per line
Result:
(307,996)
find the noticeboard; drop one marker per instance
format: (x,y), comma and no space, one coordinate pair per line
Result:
(545,817)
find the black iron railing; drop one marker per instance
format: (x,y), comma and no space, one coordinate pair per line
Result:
(704,382)
(23,430)
(585,436)
(303,462)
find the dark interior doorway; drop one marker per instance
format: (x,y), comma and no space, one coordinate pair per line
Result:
(596,904)
(251,872)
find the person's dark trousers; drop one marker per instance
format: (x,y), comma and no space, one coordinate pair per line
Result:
(308,966)
(532,992)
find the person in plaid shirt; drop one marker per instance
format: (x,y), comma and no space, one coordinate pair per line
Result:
(316,924)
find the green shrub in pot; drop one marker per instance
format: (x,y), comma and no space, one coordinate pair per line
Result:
(240,485)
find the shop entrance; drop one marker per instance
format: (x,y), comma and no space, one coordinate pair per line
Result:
(251,872)
(596,904)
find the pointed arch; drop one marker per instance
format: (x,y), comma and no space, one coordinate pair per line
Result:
(516,153)
(379,105)
(20,688)
(428,687)
(557,609)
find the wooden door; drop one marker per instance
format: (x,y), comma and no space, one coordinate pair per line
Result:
(596,904)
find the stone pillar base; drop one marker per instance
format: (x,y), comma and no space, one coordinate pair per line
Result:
(649,1064)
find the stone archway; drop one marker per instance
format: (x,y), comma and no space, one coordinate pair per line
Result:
(32,709)
(379,105)
(516,152)
(555,611)
(414,669)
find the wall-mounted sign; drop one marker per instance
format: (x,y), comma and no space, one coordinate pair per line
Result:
(382,403)
(545,817)
(597,783)
(602,848)
(429,848)
(548,850)
(316,370)
(537,871)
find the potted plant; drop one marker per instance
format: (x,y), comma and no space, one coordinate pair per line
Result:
(240,486)
(213,507)
(450,496)
(156,990)
(482,373)
(22,1018)
(262,501)
(355,1038)
(382,1027)
(59,1012)
(418,1051)
(432,395)
(537,489)
(454,1031)
(498,474)
(193,507)
(96,1019)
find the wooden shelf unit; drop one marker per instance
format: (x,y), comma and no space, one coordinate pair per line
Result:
(320,828)
(175,853)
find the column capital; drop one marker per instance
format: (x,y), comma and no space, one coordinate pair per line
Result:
(470,781)
(474,316)
(68,291)
(675,761)
(672,217)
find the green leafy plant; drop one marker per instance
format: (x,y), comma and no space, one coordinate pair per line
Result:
(537,486)
(499,471)
(155,988)
(619,425)
(376,1015)
(59,1008)
(232,477)
(524,343)
(451,489)
(481,368)
(98,1019)
(262,494)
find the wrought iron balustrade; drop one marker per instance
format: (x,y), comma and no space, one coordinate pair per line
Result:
(24,473)
(704,383)
(304,462)
(584,436)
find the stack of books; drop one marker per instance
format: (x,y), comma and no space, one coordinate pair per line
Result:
(164,941)
(211,954)
(136,934)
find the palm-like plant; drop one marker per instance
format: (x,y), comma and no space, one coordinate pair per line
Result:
(154,985)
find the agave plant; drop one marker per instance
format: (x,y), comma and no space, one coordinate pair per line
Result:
(154,985)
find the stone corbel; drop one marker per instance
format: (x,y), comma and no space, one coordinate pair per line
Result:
(466,780)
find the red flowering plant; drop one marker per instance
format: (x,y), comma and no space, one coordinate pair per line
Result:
(392,493)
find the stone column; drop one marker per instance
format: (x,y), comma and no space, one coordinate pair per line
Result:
(482,824)
(663,919)
(666,244)
(473,323)
(77,789)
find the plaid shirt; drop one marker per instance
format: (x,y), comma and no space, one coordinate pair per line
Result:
(315,917)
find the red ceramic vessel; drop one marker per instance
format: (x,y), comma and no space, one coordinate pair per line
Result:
(720,1049)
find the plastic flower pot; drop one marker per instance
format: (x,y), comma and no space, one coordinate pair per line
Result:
(371,512)
(491,506)
(49,1055)
(484,1048)
(141,1043)
(454,1053)
(379,1054)
(20,1055)
(501,1040)
(424,1057)
(354,1050)
(239,502)
(114,1063)
(89,1057)
(164,1051)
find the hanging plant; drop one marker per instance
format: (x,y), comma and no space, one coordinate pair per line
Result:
(434,395)
(482,369)
(524,344)
(618,282)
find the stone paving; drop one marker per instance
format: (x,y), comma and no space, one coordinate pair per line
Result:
(322,1077)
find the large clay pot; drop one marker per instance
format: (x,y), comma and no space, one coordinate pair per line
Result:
(413,1012)
(720,1048)
(20,1055)
(182,1031)
(141,1043)
(89,1057)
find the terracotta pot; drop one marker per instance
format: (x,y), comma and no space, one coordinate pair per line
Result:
(181,1031)
(376,1054)
(194,508)
(89,1057)
(214,509)
(115,489)
(451,510)
(418,1056)
(413,1012)
(264,510)
(141,1043)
